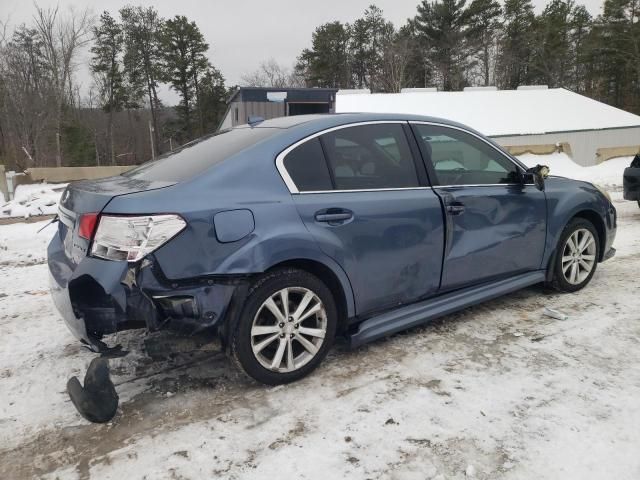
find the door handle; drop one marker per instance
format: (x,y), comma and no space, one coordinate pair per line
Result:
(455,208)
(333,215)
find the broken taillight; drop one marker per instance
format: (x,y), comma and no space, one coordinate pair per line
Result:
(132,237)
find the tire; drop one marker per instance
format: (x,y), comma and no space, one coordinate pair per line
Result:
(570,272)
(262,340)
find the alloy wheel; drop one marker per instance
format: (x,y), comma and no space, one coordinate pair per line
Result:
(288,329)
(578,256)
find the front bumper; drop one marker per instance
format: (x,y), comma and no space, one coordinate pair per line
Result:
(98,297)
(631,183)
(611,228)
(609,254)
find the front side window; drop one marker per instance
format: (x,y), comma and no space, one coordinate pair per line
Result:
(370,157)
(459,158)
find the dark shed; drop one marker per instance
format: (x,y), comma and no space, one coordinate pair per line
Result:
(276,102)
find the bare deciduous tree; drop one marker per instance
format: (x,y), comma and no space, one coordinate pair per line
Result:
(62,36)
(25,90)
(395,59)
(271,74)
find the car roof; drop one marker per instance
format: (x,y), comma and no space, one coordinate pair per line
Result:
(328,120)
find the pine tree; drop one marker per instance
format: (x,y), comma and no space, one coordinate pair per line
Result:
(581,26)
(358,46)
(142,28)
(484,20)
(419,71)
(618,44)
(212,98)
(516,44)
(326,64)
(183,53)
(552,45)
(105,64)
(442,27)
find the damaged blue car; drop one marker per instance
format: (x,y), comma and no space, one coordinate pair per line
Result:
(280,235)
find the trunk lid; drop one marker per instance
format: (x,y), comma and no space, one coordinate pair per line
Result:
(91,196)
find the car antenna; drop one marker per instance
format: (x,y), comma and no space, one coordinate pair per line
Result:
(254,120)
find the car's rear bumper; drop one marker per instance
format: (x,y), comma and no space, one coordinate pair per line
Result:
(98,297)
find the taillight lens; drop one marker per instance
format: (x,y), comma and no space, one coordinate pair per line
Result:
(87,225)
(132,238)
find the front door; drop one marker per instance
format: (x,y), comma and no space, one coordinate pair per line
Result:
(496,225)
(360,197)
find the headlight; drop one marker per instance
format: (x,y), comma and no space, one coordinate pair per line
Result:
(603,191)
(132,238)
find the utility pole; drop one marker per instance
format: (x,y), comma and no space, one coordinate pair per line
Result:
(153,148)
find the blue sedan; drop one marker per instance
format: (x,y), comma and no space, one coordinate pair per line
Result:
(280,235)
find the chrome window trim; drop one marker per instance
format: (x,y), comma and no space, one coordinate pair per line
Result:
(293,189)
(519,167)
(484,185)
(365,190)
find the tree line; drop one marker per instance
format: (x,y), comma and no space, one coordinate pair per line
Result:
(451,44)
(45,118)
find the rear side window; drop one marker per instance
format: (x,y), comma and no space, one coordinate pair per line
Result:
(370,157)
(197,156)
(307,167)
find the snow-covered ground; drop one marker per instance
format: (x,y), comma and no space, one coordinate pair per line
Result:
(33,200)
(498,391)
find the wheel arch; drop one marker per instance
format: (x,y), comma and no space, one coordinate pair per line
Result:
(596,220)
(341,291)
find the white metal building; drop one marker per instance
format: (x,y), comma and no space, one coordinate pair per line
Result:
(523,118)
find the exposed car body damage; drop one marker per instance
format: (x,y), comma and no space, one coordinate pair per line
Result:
(102,297)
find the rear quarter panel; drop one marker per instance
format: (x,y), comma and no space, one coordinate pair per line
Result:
(248,182)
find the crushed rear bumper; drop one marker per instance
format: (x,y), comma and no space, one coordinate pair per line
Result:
(98,297)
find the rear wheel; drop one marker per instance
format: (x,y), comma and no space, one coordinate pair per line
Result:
(577,256)
(286,328)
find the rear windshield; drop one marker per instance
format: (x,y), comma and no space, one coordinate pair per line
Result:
(197,156)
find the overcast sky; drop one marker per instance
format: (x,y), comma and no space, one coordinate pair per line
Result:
(243,33)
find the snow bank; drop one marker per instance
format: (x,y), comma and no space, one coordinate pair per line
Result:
(32,200)
(607,174)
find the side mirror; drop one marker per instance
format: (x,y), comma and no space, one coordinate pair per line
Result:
(536,175)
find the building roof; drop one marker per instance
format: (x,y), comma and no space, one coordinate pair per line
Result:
(501,112)
(261,94)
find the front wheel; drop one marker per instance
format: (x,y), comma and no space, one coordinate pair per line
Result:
(286,328)
(577,256)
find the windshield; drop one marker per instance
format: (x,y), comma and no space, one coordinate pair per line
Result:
(195,157)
